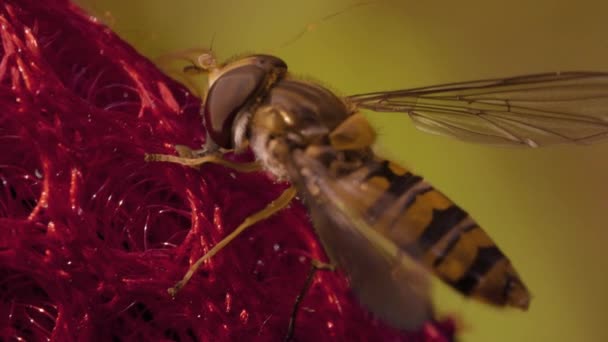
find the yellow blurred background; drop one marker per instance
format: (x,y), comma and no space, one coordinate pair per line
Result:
(546,208)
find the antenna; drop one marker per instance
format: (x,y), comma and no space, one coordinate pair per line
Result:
(313,26)
(199,61)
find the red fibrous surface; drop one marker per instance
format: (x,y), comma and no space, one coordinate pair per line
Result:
(91,236)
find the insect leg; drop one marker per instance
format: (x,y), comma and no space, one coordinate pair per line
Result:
(315,266)
(195,159)
(272,208)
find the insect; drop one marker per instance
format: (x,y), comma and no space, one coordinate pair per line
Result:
(384,226)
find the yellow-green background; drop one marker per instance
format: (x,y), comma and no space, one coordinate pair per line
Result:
(547,208)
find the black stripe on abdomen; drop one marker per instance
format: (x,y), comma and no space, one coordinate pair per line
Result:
(485,259)
(442,222)
(398,185)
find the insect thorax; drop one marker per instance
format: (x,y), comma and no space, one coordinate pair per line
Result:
(294,114)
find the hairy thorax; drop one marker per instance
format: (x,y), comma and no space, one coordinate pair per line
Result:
(294,114)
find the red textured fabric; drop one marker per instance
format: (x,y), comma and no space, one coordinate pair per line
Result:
(91,236)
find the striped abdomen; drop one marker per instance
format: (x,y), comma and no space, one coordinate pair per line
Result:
(424,222)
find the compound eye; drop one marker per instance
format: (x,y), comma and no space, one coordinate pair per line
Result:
(227,96)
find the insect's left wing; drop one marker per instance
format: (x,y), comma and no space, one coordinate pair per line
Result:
(532,110)
(387,280)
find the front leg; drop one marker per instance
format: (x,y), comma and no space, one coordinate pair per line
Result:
(196,158)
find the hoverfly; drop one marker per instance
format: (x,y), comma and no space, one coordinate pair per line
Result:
(384,226)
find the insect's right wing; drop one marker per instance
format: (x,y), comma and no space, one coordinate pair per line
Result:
(387,280)
(529,111)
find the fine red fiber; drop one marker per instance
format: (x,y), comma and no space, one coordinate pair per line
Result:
(91,236)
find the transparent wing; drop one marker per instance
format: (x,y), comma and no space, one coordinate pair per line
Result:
(532,110)
(389,282)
